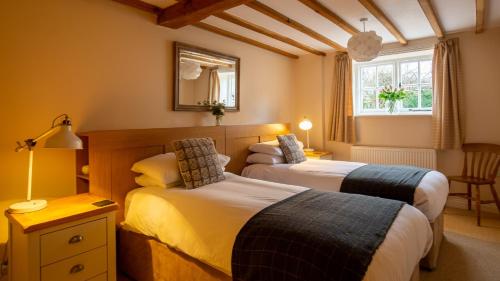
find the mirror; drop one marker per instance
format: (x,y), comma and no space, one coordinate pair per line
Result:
(204,75)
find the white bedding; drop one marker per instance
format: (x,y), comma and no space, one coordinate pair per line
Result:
(204,223)
(430,195)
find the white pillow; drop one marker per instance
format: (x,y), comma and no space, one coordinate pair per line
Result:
(263,158)
(164,169)
(144,180)
(270,147)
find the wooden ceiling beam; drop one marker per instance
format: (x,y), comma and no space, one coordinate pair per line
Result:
(238,37)
(431,15)
(187,12)
(138,4)
(262,30)
(329,15)
(268,11)
(480,11)
(382,18)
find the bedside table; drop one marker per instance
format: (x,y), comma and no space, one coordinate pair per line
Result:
(324,155)
(71,239)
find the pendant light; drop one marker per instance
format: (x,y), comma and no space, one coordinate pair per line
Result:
(364,46)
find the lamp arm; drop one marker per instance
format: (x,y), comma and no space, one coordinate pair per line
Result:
(30,143)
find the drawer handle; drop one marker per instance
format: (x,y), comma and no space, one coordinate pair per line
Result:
(77,268)
(75,239)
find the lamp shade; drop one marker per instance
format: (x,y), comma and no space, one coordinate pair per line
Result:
(364,46)
(64,138)
(190,70)
(305,125)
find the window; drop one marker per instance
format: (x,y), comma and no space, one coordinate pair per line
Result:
(413,73)
(227,88)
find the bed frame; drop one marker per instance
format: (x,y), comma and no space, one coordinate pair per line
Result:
(112,153)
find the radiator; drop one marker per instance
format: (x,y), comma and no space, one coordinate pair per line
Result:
(420,157)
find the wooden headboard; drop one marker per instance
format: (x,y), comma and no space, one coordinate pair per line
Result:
(111,154)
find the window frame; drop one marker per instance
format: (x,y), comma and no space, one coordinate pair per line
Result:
(396,76)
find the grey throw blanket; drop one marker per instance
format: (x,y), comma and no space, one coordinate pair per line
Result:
(313,236)
(386,181)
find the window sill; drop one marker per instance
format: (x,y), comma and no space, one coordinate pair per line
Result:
(402,114)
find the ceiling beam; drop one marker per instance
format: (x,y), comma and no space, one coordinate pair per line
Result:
(329,15)
(431,15)
(256,5)
(383,19)
(246,24)
(238,37)
(138,4)
(187,12)
(480,11)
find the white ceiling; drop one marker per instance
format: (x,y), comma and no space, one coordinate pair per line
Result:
(407,16)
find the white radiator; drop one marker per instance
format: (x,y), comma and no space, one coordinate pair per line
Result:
(420,157)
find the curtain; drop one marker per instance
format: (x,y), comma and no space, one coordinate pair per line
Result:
(342,127)
(446,79)
(213,85)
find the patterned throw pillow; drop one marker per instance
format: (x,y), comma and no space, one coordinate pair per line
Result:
(198,162)
(291,149)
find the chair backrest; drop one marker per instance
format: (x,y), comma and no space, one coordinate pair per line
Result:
(481,160)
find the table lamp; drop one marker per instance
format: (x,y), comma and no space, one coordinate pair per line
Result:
(61,136)
(306,125)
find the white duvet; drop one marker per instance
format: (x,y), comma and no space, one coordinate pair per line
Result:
(204,223)
(430,195)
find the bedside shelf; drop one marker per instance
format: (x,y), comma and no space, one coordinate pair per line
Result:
(83,177)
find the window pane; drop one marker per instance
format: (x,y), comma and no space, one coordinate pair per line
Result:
(409,73)
(426,93)
(426,71)
(368,76)
(411,100)
(384,75)
(369,101)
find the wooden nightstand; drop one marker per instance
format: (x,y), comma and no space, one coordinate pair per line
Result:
(324,155)
(71,239)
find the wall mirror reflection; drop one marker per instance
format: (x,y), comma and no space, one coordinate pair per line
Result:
(204,75)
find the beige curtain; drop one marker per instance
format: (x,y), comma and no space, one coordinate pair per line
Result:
(342,128)
(213,85)
(446,108)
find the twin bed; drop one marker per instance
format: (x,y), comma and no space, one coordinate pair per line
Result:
(179,234)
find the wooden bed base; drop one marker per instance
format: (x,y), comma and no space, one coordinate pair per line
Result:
(144,258)
(430,261)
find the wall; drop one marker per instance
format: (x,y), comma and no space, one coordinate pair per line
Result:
(110,67)
(480,59)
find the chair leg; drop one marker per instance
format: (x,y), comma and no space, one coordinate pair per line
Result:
(478,205)
(469,193)
(495,196)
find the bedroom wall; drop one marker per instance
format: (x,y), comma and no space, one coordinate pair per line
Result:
(480,59)
(109,67)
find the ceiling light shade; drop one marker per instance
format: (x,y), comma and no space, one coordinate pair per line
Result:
(190,70)
(364,46)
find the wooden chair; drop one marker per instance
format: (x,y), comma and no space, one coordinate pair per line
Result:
(481,164)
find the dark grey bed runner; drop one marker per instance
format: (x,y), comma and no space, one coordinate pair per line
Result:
(313,236)
(386,181)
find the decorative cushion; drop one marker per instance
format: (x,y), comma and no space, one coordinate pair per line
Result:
(198,162)
(291,149)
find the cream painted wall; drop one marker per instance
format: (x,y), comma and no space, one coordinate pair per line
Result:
(110,67)
(480,58)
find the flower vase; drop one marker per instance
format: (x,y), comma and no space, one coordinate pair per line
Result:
(218,120)
(393,107)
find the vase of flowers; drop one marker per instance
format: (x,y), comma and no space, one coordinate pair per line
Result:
(393,98)
(217,109)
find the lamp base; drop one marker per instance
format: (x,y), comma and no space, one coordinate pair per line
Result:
(308,149)
(27,206)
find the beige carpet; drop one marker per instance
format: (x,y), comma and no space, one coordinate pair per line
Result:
(468,252)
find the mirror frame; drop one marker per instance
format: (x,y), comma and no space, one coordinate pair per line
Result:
(178,47)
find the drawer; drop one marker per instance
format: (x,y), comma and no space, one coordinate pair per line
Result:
(79,268)
(101,277)
(71,241)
